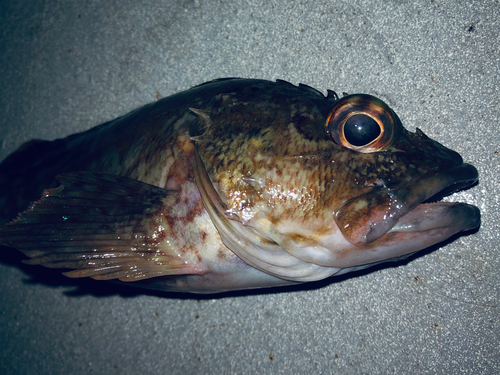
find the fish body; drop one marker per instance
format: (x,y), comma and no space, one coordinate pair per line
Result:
(233,184)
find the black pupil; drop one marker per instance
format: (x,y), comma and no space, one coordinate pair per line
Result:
(359,130)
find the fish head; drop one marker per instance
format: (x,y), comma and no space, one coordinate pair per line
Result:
(303,186)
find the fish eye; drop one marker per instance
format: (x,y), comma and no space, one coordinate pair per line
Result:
(362,123)
(361,129)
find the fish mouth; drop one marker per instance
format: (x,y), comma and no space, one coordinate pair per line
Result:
(374,215)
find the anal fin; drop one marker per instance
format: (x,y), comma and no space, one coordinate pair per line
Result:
(102,226)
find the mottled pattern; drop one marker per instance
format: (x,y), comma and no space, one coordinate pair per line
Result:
(274,160)
(259,186)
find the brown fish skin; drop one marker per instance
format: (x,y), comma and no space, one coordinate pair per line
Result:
(139,145)
(253,185)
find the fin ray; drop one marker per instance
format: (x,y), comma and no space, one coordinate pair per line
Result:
(101,226)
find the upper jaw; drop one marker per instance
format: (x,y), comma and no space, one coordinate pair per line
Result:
(366,218)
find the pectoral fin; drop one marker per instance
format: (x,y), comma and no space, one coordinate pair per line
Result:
(103,226)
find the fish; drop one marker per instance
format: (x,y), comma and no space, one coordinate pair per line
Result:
(234,184)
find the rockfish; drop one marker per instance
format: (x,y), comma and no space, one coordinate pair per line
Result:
(233,184)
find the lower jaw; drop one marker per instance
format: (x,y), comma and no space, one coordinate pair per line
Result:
(439,215)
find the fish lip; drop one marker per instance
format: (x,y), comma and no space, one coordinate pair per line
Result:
(391,208)
(430,216)
(411,216)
